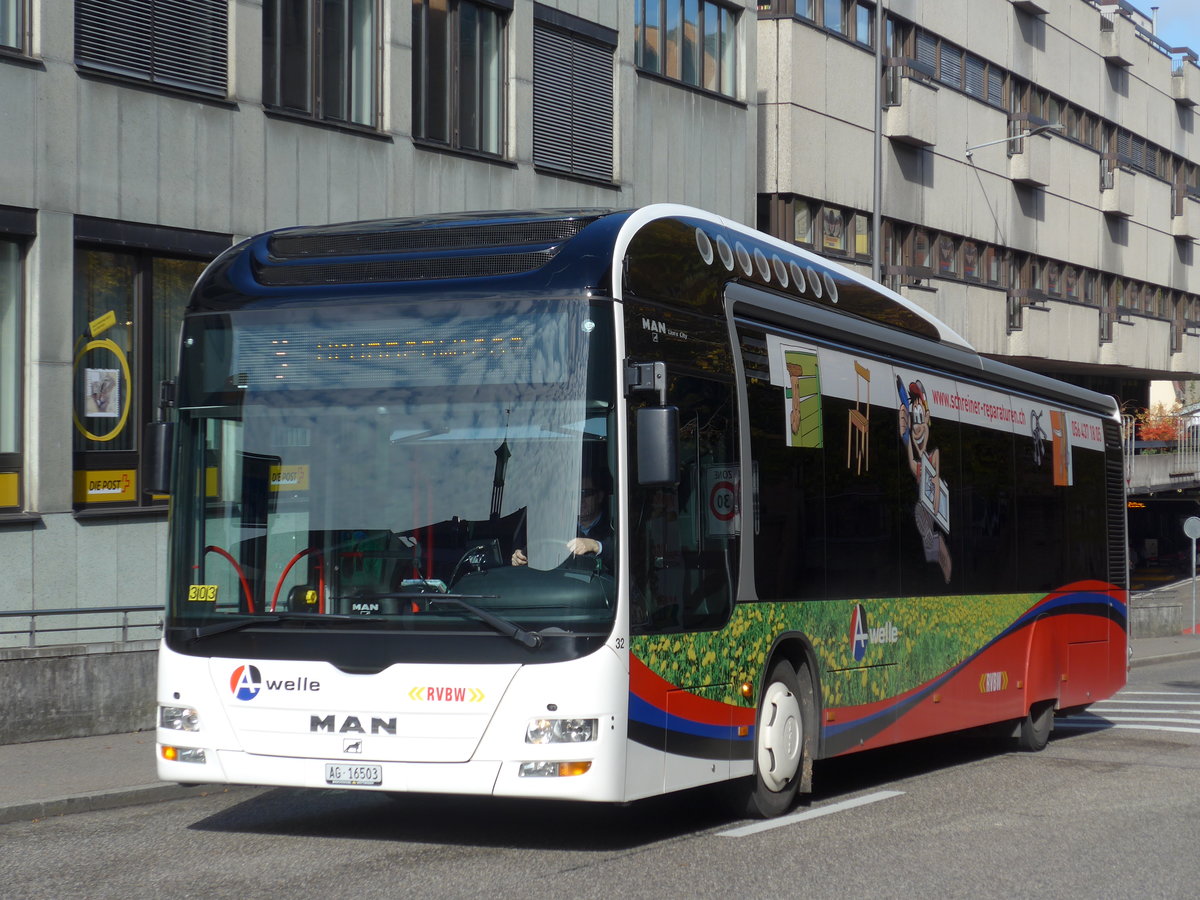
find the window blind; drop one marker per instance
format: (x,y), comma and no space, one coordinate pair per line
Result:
(572,103)
(177,43)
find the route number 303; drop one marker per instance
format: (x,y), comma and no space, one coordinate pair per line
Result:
(202,593)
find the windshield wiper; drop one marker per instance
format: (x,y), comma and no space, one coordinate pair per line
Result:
(530,639)
(206,631)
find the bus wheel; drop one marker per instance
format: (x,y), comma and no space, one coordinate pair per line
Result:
(779,743)
(1035,729)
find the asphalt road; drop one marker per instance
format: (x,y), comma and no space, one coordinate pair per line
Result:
(1111,808)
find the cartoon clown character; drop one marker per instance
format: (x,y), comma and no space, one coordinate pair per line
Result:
(932,509)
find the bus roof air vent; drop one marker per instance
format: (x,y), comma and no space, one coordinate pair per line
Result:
(425,250)
(416,268)
(327,242)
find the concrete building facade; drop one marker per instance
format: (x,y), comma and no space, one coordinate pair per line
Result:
(1071,250)
(135,146)
(141,137)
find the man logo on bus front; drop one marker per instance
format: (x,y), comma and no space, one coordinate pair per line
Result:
(246,682)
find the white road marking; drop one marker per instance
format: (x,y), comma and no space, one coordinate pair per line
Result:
(829,810)
(1097,725)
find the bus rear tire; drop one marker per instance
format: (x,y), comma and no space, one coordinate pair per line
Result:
(1034,732)
(781,742)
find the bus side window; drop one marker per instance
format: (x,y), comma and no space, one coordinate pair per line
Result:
(684,539)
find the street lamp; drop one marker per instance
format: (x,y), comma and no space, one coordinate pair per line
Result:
(1028,132)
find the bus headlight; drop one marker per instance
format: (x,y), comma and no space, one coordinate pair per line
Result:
(183,754)
(561,731)
(178,718)
(553,769)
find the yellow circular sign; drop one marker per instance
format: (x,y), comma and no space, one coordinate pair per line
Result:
(115,349)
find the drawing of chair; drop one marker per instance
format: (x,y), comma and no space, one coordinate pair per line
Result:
(858,428)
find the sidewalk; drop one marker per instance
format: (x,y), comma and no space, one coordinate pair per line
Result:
(51,778)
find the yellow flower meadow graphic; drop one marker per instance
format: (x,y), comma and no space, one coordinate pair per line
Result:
(909,642)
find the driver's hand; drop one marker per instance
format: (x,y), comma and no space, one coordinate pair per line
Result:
(581,546)
(519,558)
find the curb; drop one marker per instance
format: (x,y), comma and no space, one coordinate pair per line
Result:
(111,799)
(1137,662)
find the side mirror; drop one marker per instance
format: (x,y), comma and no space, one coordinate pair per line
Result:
(160,442)
(658,446)
(156,463)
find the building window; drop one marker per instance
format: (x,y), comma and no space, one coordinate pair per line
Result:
(692,41)
(11,364)
(1070,283)
(947,257)
(833,230)
(458,74)
(1053,279)
(995,86)
(970,260)
(976,77)
(172,43)
(1015,313)
(921,248)
(129,302)
(572,95)
(320,59)
(833,16)
(927,53)
(862,234)
(950,66)
(804,219)
(1087,129)
(864,24)
(13,18)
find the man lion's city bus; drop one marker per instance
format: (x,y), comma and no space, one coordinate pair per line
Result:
(599,505)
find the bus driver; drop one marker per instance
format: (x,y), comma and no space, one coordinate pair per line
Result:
(593,534)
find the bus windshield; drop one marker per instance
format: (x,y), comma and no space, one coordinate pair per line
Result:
(414,465)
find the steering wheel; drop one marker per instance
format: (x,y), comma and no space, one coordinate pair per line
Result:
(554,548)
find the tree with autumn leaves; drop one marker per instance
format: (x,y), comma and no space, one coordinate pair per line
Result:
(1159,423)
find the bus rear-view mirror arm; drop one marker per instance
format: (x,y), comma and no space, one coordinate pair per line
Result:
(657,426)
(160,440)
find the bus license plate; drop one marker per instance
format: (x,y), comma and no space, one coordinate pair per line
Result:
(341,773)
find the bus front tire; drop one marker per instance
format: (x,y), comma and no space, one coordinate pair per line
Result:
(780,743)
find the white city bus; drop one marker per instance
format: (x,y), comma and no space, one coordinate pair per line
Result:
(599,505)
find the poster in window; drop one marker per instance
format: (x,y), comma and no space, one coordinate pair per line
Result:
(946,254)
(921,249)
(1070,282)
(803,223)
(1053,284)
(102,393)
(862,235)
(833,229)
(970,260)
